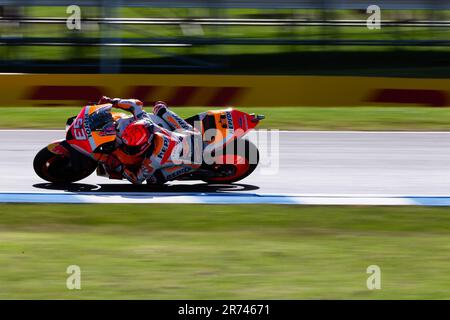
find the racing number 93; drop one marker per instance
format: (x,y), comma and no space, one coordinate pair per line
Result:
(78,130)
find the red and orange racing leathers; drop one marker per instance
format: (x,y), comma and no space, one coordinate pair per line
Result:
(171,153)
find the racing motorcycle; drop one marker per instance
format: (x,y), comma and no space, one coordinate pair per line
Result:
(231,156)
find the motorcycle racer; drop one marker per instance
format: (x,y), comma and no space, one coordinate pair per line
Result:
(92,143)
(166,154)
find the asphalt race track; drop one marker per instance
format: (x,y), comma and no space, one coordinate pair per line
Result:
(310,163)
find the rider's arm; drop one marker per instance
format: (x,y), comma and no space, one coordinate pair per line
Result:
(148,170)
(135,106)
(145,172)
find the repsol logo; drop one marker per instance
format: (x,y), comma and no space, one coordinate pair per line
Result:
(164,148)
(230,121)
(87,129)
(178,172)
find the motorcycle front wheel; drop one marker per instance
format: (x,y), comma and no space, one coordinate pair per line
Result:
(59,169)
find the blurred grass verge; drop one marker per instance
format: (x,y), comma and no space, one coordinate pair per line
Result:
(284,118)
(223,252)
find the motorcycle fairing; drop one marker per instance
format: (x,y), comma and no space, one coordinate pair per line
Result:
(82,137)
(57,147)
(231,124)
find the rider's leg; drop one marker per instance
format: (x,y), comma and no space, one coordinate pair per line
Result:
(171,118)
(170,173)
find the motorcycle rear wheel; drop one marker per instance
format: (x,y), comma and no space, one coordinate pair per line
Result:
(238,165)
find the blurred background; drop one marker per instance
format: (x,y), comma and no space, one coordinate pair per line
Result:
(227,36)
(246,53)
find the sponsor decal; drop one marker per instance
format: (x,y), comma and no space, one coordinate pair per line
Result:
(87,129)
(57,148)
(178,172)
(240,123)
(164,148)
(230,121)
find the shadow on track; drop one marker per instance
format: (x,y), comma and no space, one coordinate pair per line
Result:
(120,188)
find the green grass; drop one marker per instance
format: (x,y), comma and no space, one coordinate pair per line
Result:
(284,118)
(223,252)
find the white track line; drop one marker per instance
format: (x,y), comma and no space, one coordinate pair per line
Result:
(223,198)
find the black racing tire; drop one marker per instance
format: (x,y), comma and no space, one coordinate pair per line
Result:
(250,148)
(58,169)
